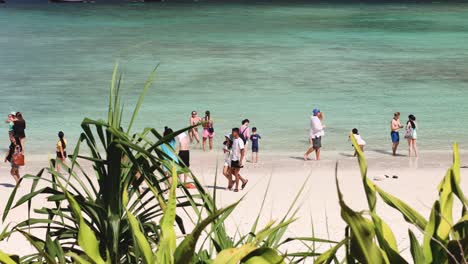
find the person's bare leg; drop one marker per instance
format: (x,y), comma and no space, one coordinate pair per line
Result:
(197,137)
(211,143)
(14,172)
(228,175)
(306,155)
(23,142)
(236,179)
(362,148)
(317,154)
(409,147)
(415,148)
(395,147)
(204,144)
(190,133)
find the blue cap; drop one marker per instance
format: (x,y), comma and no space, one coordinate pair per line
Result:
(315,111)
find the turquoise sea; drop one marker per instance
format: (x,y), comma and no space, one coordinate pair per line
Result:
(271,63)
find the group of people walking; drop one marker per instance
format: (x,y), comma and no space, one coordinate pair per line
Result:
(234,148)
(317,131)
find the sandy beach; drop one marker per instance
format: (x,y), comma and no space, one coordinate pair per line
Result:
(416,184)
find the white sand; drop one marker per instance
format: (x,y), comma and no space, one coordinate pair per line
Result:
(416,185)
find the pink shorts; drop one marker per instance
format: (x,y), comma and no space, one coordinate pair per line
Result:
(207,134)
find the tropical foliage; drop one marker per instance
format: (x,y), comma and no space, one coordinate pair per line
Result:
(370,240)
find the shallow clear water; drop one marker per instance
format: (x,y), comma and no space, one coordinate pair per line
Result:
(270,63)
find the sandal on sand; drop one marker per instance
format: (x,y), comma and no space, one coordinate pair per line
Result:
(236,190)
(386,176)
(395,177)
(244,184)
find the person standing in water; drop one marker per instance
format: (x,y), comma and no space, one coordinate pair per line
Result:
(184,156)
(19,125)
(315,135)
(61,149)
(411,135)
(208,130)
(193,132)
(395,126)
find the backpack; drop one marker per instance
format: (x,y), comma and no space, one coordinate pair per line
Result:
(241,135)
(409,132)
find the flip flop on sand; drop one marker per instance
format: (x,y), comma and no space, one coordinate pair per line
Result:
(395,177)
(386,176)
(244,184)
(236,190)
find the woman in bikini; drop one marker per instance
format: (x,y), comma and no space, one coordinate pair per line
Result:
(193,132)
(208,130)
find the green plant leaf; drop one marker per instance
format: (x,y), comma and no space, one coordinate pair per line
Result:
(416,249)
(86,237)
(141,243)
(7,259)
(263,256)
(410,215)
(330,254)
(363,247)
(234,255)
(167,245)
(186,249)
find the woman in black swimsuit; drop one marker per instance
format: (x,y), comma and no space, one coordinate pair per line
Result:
(19,125)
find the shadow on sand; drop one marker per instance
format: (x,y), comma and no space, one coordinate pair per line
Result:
(387,152)
(297,158)
(346,155)
(216,187)
(7,185)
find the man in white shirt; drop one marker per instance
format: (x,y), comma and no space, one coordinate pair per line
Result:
(315,134)
(237,154)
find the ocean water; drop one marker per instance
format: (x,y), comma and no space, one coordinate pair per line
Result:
(271,63)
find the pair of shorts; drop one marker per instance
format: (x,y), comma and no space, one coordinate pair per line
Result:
(184,156)
(254,148)
(395,136)
(317,142)
(235,164)
(207,134)
(227,163)
(59,154)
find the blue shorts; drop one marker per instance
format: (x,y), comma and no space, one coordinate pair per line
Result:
(254,148)
(395,136)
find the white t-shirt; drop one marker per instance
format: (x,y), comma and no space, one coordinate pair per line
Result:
(359,140)
(316,128)
(237,146)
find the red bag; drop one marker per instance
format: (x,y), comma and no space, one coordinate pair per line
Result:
(17,158)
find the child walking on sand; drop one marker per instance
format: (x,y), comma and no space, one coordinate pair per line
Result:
(254,138)
(227,145)
(359,140)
